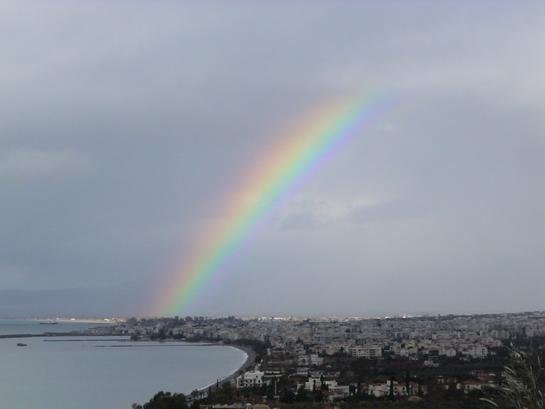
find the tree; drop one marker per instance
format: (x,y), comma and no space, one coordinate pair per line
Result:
(287,396)
(301,394)
(392,378)
(166,400)
(522,387)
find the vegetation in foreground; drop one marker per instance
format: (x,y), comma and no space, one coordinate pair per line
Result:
(523,383)
(522,387)
(164,400)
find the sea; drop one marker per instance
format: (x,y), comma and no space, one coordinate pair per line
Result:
(101,372)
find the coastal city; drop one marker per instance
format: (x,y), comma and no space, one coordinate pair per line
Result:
(352,361)
(272,204)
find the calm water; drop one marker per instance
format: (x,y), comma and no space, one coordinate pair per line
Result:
(103,372)
(34,327)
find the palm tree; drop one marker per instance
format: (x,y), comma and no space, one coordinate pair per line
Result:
(522,384)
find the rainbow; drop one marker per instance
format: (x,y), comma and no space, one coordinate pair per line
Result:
(267,183)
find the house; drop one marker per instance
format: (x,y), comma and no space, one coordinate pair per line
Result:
(249,379)
(381,389)
(476,352)
(337,392)
(399,389)
(367,352)
(378,389)
(313,384)
(472,386)
(316,360)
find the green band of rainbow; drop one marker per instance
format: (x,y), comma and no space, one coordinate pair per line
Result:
(274,175)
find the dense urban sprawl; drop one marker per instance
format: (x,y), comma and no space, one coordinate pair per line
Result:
(354,361)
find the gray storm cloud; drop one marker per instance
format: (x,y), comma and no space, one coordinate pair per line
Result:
(123,124)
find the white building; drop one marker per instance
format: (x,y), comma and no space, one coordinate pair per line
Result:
(476,351)
(338,392)
(316,360)
(250,379)
(368,352)
(378,390)
(313,384)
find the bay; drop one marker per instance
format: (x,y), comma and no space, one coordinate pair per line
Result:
(8,327)
(104,372)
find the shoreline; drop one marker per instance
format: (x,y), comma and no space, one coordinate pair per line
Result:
(248,362)
(53,334)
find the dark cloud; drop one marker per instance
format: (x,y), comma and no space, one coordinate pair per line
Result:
(122,127)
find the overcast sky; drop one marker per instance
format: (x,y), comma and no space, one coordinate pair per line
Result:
(122,123)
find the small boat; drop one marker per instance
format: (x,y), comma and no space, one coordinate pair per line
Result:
(48,323)
(20,344)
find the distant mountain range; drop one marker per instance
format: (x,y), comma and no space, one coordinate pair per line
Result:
(118,301)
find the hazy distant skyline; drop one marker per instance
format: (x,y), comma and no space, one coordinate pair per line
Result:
(122,124)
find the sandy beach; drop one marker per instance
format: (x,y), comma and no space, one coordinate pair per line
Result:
(248,363)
